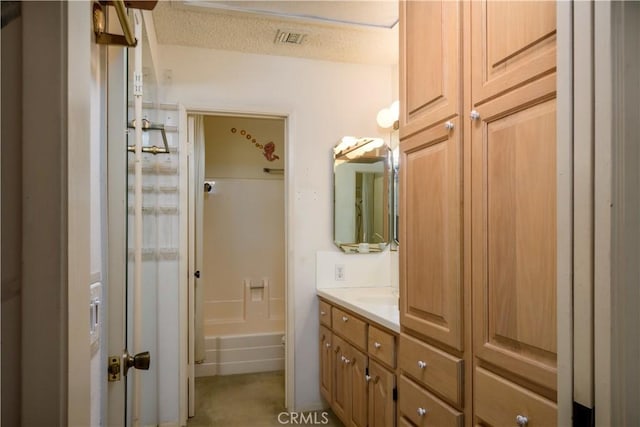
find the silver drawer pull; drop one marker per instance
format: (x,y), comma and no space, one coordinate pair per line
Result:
(323,313)
(422,412)
(422,364)
(345,318)
(522,421)
(377,344)
(327,344)
(367,378)
(347,361)
(343,358)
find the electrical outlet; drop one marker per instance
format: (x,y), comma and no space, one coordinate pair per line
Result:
(339,272)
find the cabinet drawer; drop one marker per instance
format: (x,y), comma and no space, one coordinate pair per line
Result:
(382,346)
(424,409)
(432,367)
(498,401)
(350,327)
(325,313)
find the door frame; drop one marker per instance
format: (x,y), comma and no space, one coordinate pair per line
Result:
(187,222)
(115,292)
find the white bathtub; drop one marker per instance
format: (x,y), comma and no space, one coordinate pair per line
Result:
(242,354)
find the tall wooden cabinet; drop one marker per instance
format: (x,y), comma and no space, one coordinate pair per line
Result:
(478,212)
(430,56)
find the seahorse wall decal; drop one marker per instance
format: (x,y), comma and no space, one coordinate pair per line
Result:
(268,148)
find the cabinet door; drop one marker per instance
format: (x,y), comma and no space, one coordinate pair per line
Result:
(512,42)
(430,232)
(341,380)
(357,362)
(514,231)
(326,358)
(429,63)
(382,407)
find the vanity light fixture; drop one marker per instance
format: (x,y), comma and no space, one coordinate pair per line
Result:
(388,116)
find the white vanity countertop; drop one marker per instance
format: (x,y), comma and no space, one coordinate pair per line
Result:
(379,304)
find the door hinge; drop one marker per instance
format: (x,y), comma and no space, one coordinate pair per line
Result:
(113,368)
(395,394)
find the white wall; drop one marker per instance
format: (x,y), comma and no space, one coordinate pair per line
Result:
(95,59)
(324,101)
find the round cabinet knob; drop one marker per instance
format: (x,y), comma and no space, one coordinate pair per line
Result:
(377,344)
(367,378)
(421,364)
(522,421)
(422,412)
(347,361)
(345,318)
(322,313)
(474,115)
(343,358)
(327,344)
(448,125)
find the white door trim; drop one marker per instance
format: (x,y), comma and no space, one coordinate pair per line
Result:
(602,216)
(564,184)
(186,368)
(289,118)
(115,291)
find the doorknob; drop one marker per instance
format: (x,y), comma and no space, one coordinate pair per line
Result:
(197,274)
(139,361)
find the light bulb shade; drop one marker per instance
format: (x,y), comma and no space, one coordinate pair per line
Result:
(395,110)
(385,118)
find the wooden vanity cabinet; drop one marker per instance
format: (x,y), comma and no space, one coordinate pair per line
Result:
(478,212)
(340,381)
(382,405)
(326,361)
(357,369)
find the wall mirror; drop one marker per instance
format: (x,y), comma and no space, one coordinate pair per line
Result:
(361,195)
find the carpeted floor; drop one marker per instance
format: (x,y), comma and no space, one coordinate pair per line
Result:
(248,400)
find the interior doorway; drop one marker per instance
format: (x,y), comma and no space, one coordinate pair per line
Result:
(237,251)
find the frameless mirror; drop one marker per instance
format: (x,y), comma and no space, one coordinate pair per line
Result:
(361,189)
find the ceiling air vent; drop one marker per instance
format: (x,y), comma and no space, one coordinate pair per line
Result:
(289,37)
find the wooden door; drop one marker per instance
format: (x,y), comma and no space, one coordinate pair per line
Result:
(382,407)
(357,362)
(326,359)
(430,230)
(514,231)
(341,380)
(512,42)
(429,63)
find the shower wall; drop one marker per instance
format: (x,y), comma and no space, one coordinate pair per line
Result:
(243,246)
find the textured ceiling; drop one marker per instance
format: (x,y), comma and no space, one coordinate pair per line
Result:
(364,39)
